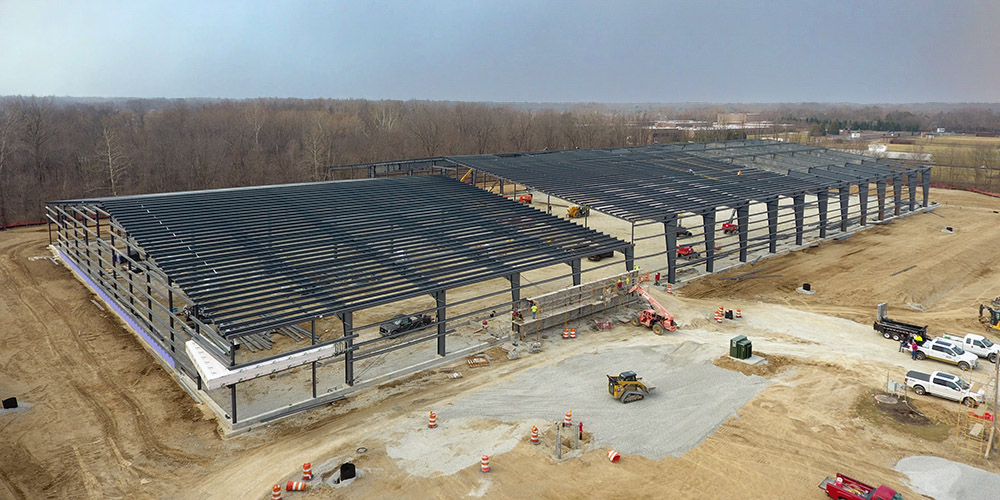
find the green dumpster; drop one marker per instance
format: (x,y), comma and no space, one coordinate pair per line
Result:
(734,346)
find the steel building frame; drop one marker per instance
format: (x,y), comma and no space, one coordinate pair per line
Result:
(659,184)
(219,267)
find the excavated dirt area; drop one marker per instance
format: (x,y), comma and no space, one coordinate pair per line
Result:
(107,422)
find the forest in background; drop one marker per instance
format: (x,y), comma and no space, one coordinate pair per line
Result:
(59,148)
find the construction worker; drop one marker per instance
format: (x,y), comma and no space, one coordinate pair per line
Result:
(913,349)
(636,268)
(619,283)
(534,310)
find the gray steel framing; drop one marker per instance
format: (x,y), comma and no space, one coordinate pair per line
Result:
(248,260)
(657,184)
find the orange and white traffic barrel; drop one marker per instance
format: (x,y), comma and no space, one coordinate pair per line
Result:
(432,420)
(485,463)
(738,313)
(613,456)
(568,420)
(572,333)
(534,435)
(295,486)
(307,472)
(565,333)
(276,492)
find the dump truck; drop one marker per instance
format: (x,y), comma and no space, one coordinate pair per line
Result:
(846,488)
(944,385)
(627,387)
(895,330)
(978,345)
(656,316)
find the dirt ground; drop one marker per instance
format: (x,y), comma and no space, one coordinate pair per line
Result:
(107,422)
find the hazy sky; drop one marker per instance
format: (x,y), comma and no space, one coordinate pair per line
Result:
(508,50)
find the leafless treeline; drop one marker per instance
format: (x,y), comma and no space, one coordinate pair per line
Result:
(51,150)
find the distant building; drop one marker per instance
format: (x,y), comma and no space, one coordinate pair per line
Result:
(878,148)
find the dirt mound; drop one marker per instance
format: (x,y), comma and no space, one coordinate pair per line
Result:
(775,364)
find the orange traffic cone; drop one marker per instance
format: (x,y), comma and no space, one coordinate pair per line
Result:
(738,313)
(276,492)
(534,435)
(307,472)
(670,288)
(295,486)
(485,463)
(432,421)
(568,421)
(613,456)
(565,333)
(572,333)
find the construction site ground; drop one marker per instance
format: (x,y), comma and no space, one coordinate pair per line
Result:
(106,421)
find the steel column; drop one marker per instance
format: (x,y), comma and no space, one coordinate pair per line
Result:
(772,225)
(575,265)
(440,299)
(799,207)
(629,258)
(232,399)
(312,331)
(880,193)
(670,233)
(911,180)
(897,192)
(822,201)
(925,180)
(515,286)
(863,199)
(743,229)
(708,223)
(845,199)
(348,320)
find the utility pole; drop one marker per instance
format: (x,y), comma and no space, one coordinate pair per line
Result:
(996,396)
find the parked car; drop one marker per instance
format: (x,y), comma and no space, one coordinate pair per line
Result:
(944,385)
(402,323)
(603,255)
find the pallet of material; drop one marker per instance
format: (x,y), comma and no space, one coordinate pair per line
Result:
(478,360)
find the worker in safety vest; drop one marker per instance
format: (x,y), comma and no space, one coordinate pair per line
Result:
(534,310)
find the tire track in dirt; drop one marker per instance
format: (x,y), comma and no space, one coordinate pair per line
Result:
(145,431)
(88,378)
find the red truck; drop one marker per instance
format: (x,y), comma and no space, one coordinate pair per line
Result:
(845,488)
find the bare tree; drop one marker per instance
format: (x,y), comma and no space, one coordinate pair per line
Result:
(255,114)
(9,128)
(110,161)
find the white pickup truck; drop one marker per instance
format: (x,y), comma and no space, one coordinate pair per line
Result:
(944,385)
(948,351)
(978,345)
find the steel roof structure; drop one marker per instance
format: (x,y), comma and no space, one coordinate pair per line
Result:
(654,182)
(261,257)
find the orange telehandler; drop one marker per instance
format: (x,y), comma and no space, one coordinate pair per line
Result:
(656,316)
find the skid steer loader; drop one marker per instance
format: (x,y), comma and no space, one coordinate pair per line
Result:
(627,387)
